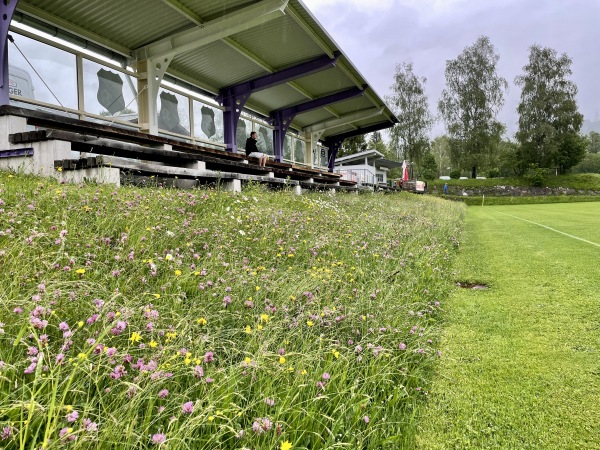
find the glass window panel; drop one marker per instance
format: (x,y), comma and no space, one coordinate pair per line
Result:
(299,150)
(244,128)
(208,122)
(287,148)
(109,93)
(56,67)
(173,112)
(265,138)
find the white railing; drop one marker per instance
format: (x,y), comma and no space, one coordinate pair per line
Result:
(360,176)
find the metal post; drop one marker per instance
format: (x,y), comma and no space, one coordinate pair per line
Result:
(231,115)
(7,9)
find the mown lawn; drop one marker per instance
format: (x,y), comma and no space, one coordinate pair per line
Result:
(520,366)
(154,318)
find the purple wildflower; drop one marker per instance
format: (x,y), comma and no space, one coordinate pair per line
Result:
(187,408)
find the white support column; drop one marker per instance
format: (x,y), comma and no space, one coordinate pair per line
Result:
(151,73)
(80,89)
(308,152)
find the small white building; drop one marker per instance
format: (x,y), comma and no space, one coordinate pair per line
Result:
(368,168)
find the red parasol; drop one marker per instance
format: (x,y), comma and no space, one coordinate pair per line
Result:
(404,171)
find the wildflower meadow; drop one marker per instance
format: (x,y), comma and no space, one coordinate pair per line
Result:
(135,318)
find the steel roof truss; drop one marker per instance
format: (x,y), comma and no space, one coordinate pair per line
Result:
(335,142)
(185,41)
(233,98)
(344,120)
(282,118)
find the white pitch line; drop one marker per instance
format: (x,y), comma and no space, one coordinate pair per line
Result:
(548,228)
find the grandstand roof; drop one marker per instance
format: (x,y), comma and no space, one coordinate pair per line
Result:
(215,45)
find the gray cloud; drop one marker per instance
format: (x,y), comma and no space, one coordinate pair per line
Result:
(376,42)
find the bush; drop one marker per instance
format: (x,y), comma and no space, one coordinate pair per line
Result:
(493,173)
(535,176)
(455,174)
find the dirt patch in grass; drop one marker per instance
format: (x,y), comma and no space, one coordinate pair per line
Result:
(474,286)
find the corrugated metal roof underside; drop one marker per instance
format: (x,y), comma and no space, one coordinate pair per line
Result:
(283,42)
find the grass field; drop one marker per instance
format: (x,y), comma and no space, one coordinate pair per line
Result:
(521,366)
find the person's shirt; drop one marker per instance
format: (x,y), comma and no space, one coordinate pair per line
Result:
(251,146)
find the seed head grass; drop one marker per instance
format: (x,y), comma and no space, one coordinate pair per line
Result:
(158,318)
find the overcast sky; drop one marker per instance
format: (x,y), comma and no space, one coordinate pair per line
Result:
(378,34)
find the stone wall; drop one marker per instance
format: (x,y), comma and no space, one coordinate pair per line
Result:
(510,191)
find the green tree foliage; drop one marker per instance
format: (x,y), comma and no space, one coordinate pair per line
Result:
(440,148)
(593,142)
(428,167)
(469,105)
(353,145)
(549,120)
(589,164)
(376,142)
(410,104)
(510,159)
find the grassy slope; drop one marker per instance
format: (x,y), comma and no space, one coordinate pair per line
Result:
(330,332)
(521,366)
(573,181)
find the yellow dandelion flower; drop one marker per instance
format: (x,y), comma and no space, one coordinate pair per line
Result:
(310,323)
(187,361)
(80,323)
(211,418)
(68,408)
(287,445)
(259,327)
(292,298)
(80,271)
(201,321)
(264,318)
(197,273)
(257,288)
(59,169)
(135,337)
(290,369)
(248,329)
(156,295)
(281,360)
(81,356)
(247,360)
(336,354)
(304,372)
(177,272)
(153,344)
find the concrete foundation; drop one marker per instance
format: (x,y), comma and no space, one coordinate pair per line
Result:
(232,185)
(42,160)
(109,175)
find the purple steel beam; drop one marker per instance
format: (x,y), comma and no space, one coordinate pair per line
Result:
(280,77)
(7,9)
(233,98)
(16,152)
(282,118)
(333,143)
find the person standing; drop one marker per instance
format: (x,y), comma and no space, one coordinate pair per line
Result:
(252,150)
